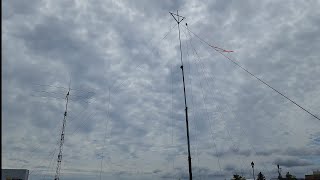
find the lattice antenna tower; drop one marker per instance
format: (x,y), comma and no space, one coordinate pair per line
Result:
(59,159)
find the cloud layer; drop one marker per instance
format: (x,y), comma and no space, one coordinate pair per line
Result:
(126,101)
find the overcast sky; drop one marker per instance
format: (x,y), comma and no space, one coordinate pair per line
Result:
(126,105)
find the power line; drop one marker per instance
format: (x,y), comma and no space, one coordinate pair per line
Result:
(215,146)
(50,154)
(59,87)
(172,117)
(38,146)
(202,67)
(228,132)
(74,132)
(105,135)
(259,79)
(50,164)
(220,50)
(192,102)
(121,84)
(206,109)
(138,66)
(70,134)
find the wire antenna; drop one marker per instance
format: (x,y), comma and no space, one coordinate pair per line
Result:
(57,176)
(177,17)
(253,75)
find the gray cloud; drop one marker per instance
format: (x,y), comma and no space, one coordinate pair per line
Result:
(230,167)
(267,152)
(115,47)
(233,150)
(302,151)
(292,162)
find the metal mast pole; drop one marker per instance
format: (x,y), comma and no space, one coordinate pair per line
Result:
(184,92)
(57,176)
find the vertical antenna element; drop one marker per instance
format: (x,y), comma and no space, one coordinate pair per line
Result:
(178,20)
(57,176)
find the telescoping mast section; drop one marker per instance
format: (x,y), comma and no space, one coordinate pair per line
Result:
(178,19)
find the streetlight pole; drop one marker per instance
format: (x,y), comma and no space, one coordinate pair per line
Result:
(279,172)
(252,165)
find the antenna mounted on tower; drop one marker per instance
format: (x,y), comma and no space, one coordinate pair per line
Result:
(178,20)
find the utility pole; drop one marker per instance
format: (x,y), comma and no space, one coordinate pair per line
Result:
(252,165)
(57,176)
(178,20)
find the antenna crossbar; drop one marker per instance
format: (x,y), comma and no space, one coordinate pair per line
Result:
(177,20)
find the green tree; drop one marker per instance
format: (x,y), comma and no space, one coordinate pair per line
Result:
(290,176)
(261,176)
(238,177)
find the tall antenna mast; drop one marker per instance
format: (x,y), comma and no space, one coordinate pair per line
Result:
(57,176)
(178,20)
